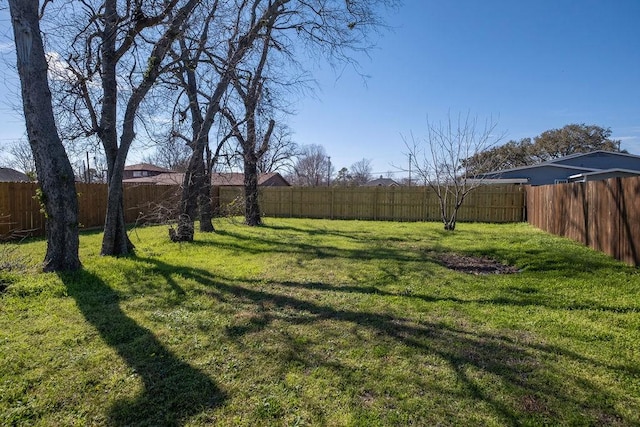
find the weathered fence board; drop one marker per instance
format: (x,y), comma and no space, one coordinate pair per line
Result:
(604,215)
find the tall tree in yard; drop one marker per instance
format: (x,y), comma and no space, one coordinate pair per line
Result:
(249,86)
(208,56)
(332,28)
(110,63)
(54,171)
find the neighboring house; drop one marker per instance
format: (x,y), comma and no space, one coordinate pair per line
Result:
(143,170)
(381,182)
(233,179)
(168,178)
(217,179)
(12,175)
(596,165)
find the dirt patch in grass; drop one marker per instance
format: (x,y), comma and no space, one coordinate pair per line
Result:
(474,264)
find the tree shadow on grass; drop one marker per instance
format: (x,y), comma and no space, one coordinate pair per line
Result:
(173,390)
(248,245)
(527,382)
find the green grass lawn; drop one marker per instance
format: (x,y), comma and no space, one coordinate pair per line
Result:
(311,322)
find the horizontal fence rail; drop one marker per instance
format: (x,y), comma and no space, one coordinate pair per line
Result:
(484,204)
(604,215)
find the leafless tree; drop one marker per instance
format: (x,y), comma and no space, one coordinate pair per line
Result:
(108,65)
(333,29)
(208,56)
(172,153)
(251,87)
(361,172)
(21,157)
(281,153)
(438,160)
(53,168)
(312,167)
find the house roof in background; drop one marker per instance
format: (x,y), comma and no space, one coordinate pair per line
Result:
(232,179)
(12,175)
(236,179)
(218,179)
(541,165)
(168,178)
(620,173)
(559,162)
(381,182)
(146,167)
(591,154)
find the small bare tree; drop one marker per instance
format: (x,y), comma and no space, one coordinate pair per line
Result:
(312,166)
(438,160)
(21,157)
(171,152)
(361,172)
(281,153)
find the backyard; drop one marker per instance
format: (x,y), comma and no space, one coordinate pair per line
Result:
(317,322)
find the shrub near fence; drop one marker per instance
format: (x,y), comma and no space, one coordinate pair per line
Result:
(484,204)
(19,209)
(604,215)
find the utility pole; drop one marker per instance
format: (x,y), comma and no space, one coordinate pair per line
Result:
(409,169)
(329,172)
(88,170)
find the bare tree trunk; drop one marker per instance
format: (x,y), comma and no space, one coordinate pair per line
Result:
(204,197)
(54,171)
(115,240)
(189,202)
(252,208)
(204,203)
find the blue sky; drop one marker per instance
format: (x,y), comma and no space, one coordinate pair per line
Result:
(532,65)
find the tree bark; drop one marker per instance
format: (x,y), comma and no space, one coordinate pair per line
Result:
(204,197)
(252,208)
(189,201)
(192,188)
(115,240)
(204,203)
(54,171)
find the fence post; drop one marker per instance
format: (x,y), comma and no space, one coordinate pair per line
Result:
(375,204)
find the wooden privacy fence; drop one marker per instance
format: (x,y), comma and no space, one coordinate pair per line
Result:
(484,204)
(604,215)
(20,210)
